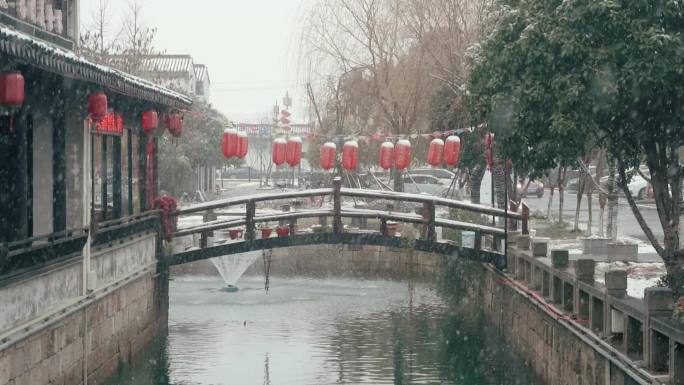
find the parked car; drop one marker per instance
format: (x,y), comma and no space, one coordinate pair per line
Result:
(534,188)
(245,172)
(443,174)
(638,186)
(424,184)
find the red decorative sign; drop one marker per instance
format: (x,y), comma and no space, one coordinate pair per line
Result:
(111,124)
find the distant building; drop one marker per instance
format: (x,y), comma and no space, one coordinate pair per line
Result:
(178,72)
(202,83)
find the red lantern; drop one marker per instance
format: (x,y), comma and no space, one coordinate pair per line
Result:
(387,155)
(150,121)
(452,151)
(350,155)
(402,154)
(12,89)
(328,155)
(174,123)
(279,151)
(435,152)
(294,151)
(242,145)
(97,106)
(229,143)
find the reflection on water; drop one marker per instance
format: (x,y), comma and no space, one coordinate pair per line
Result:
(317,332)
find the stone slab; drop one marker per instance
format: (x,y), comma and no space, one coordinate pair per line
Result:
(623,252)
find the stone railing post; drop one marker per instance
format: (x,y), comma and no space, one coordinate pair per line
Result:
(249,221)
(616,287)
(337,205)
(584,272)
(658,302)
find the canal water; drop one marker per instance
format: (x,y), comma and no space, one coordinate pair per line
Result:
(313,331)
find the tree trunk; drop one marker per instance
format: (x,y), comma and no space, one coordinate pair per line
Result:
(476,183)
(590,214)
(580,192)
(611,227)
(499,180)
(561,192)
(548,207)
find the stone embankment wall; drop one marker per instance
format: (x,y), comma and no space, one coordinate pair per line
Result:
(92,335)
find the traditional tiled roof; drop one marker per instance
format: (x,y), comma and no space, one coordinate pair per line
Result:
(201,72)
(69,64)
(167,63)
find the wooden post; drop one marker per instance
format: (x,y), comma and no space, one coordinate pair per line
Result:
(204,239)
(429,232)
(525,219)
(249,221)
(116,177)
(383,227)
(337,205)
(478,241)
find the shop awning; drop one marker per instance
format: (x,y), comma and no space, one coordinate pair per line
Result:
(69,64)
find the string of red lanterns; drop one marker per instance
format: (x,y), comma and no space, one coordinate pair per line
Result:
(350,155)
(294,151)
(279,152)
(242,145)
(328,154)
(435,152)
(402,154)
(452,151)
(387,155)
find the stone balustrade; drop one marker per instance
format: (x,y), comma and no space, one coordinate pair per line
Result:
(642,329)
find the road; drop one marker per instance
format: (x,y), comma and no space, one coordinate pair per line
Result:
(627,224)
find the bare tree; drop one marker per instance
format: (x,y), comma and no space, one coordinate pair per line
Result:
(100,41)
(137,40)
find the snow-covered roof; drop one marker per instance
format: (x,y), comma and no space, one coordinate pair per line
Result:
(58,60)
(202,73)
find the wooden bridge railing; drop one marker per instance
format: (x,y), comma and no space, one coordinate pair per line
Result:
(427,216)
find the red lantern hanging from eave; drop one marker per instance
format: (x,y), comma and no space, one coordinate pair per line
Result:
(279,154)
(328,152)
(452,151)
(150,121)
(174,123)
(350,155)
(242,145)
(229,143)
(387,155)
(294,151)
(97,106)
(402,154)
(435,152)
(12,89)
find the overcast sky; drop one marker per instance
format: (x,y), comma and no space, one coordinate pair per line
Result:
(249,46)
